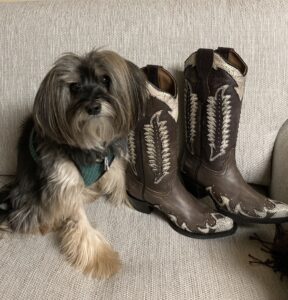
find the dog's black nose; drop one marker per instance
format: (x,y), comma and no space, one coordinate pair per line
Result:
(94,109)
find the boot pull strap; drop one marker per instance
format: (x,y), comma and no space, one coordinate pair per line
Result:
(152,74)
(204,62)
(235,60)
(224,52)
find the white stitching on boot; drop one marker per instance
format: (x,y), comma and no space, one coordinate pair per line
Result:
(191,110)
(157,142)
(132,151)
(212,123)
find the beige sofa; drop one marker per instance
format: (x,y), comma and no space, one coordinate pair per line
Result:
(158,263)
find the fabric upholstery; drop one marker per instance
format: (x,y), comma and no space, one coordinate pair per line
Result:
(158,263)
(33,34)
(279,183)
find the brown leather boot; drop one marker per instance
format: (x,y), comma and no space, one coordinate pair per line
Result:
(153,181)
(214,87)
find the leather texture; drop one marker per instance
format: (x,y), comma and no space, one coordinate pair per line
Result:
(214,88)
(152,176)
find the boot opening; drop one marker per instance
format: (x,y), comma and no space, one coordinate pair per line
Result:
(233,59)
(160,78)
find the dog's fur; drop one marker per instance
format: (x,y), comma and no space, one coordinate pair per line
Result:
(49,194)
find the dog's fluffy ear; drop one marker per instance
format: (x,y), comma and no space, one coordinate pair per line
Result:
(138,89)
(53,98)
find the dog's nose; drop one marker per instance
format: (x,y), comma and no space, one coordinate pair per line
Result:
(94,109)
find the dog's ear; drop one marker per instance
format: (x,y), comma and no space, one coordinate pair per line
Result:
(49,106)
(139,91)
(52,100)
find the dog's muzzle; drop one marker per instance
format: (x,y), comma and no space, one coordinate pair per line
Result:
(93,109)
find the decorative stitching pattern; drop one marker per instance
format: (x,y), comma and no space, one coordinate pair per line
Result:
(222,224)
(175,221)
(218,111)
(158,147)
(132,151)
(279,210)
(191,110)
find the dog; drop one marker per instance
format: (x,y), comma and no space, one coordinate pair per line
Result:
(72,150)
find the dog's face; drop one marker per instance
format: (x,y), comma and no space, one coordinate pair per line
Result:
(89,101)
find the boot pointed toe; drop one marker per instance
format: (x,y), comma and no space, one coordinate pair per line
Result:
(279,211)
(223,223)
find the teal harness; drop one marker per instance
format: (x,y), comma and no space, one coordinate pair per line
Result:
(90,173)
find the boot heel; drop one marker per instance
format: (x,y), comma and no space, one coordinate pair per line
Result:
(194,188)
(141,206)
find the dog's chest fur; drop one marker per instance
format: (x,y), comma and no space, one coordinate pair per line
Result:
(65,172)
(54,186)
(67,175)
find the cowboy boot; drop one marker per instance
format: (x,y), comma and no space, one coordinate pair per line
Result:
(214,87)
(153,181)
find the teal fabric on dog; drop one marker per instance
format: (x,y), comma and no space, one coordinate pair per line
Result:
(90,173)
(93,172)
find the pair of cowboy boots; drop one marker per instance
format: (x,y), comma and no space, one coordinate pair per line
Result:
(214,88)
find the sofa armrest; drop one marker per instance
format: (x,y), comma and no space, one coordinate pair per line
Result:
(279,180)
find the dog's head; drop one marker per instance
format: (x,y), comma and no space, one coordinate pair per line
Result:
(88,101)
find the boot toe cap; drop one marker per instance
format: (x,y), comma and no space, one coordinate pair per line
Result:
(222,224)
(280,210)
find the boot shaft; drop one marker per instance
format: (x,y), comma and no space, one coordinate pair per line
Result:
(214,88)
(153,143)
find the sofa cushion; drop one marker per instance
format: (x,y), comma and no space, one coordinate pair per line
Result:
(158,263)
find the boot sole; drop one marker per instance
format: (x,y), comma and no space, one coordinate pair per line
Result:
(147,208)
(199,192)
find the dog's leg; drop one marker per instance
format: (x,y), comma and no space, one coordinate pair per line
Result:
(21,214)
(86,248)
(113,183)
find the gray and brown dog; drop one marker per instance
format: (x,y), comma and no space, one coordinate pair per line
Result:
(83,112)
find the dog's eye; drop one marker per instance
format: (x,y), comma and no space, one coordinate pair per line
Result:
(75,87)
(105,80)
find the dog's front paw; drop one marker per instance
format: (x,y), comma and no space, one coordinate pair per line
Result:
(87,250)
(104,263)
